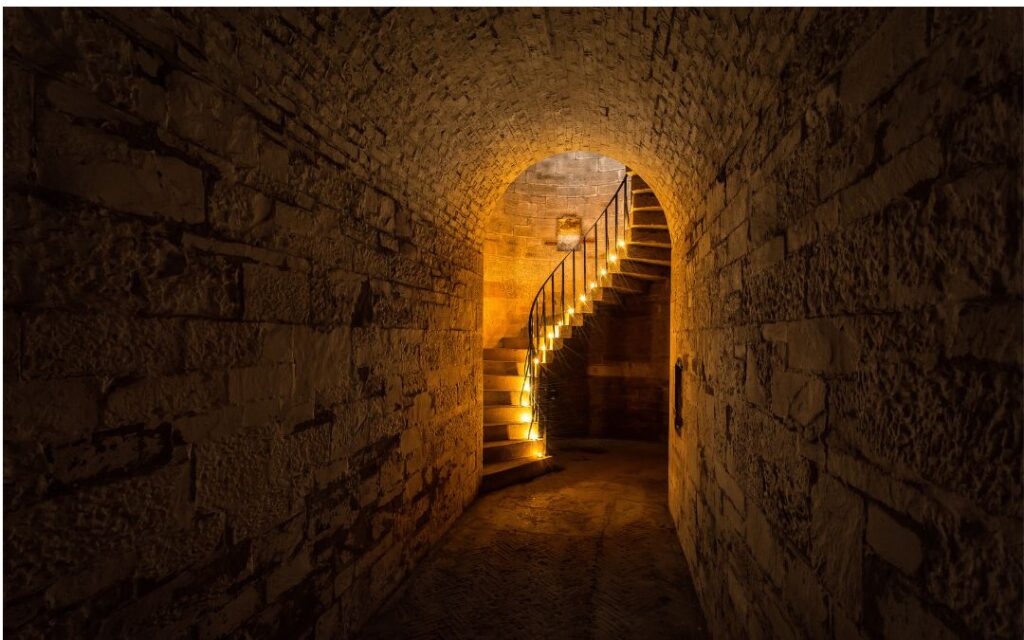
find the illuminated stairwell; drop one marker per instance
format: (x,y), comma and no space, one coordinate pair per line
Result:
(626,249)
(513,448)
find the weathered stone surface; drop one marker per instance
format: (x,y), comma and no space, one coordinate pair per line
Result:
(152,401)
(102,169)
(797,396)
(892,541)
(273,294)
(903,614)
(64,345)
(50,411)
(837,548)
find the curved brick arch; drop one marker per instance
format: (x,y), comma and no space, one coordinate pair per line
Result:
(493,92)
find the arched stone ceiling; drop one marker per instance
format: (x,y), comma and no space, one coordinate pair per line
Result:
(462,101)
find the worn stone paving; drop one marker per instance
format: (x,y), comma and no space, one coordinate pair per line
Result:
(588,551)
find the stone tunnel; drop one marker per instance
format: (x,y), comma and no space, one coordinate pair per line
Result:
(247,297)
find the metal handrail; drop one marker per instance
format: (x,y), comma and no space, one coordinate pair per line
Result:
(539,329)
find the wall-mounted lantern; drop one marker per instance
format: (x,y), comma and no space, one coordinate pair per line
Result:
(568,232)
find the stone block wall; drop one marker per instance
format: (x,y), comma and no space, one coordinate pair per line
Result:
(611,378)
(848,302)
(628,368)
(241,365)
(520,249)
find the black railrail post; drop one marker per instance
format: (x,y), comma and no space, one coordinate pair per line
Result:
(552,279)
(584,264)
(561,318)
(573,278)
(616,236)
(543,316)
(626,203)
(606,239)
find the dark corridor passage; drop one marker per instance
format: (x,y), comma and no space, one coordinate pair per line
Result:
(247,312)
(586,552)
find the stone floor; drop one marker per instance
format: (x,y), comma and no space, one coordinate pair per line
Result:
(585,552)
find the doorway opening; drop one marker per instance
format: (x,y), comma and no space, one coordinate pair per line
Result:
(577,267)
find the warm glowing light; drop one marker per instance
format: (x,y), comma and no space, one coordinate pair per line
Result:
(583,297)
(622,244)
(534,435)
(557,329)
(551,334)
(536,361)
(526,384)
(543,346)
(573,311)
(612,257)
(526,416)
(540,454)
(593,285)
(525,402)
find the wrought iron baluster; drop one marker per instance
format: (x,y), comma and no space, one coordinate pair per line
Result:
(543,316)
(615,237)
(606,239)
(561,318)
(552,279)
(625,195)
(573,278)
(585,264)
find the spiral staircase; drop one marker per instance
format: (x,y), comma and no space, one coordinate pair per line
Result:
(620,255)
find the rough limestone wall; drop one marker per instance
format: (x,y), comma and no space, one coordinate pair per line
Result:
(628,367)
(520,249)
(610,379)
(848,302)
(241,363)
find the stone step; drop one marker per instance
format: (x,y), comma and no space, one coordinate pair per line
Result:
(514,342)
(652,254)
(564,332)
(612,294)
(505,355)
(636,182)
(505,413)
(644,199)
(584,309)
(648,235)
(646,270)
(504,450)
(623,283)
(648,216)
(503,383)
(597,295)
(495,431)
(504,396)
(504,368)
(503,474)
(551,344)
